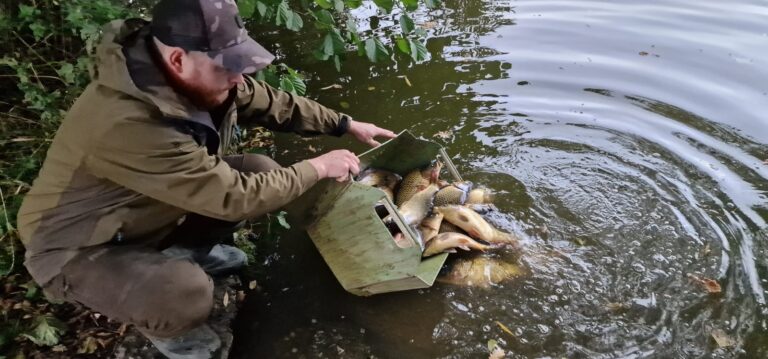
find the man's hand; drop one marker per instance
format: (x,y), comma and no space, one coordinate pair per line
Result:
(366,132)
(336,164)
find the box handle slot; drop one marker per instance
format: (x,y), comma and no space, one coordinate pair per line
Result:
(449,164)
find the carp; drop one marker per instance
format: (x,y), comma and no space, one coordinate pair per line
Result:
(455,193)
(446,242)
(418,206)
(482,272)
(430,226)
(446,226)
(416,181)
(480,196)
(474,224)
(381,179)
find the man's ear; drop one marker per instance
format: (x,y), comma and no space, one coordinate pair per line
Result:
(177,60)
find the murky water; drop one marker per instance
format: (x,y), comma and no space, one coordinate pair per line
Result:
(628,136)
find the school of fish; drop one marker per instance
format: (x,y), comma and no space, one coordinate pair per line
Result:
(444,217)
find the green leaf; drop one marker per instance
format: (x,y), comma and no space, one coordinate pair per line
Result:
(387,5)
(419,52)
(411,5)
(338,5)
(432,3)
(38,30)
(46,331)
(324,19)
(353,4)
(404,45)
(247,7)
(27,13)
(66,73)
(375,50)
(492,344)
(261,8)
(406,24)
(325,4)
(284,14)
(351,26)
(287,85)
(295,23)
(337,62)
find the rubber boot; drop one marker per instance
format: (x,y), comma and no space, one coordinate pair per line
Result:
(199,343)
(219,260)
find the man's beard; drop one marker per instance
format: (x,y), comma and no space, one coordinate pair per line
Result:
(201,97)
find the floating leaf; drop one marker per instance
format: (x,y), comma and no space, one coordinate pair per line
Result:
(504,328)
(253,285)
(225,301)
(282,221)
(710,285)
(492,344)
(722,339)
(344,104)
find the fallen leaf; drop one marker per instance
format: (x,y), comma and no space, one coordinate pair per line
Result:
(407,81)
(492,344)
(121,330)
(497,353)
(59,348)
(105,342)
(312,149)
(253,285)
(643,53)
(226,299)
(615,307)
(710,285)
(334,86)
(504,328)
(443,134)
(429,24)
(371,88)
(721,338)
(88,346)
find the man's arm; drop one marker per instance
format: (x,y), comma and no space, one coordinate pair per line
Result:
(158,161)
(259,103)
(277,110)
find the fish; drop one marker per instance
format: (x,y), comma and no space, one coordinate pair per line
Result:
(480,195)
(416,181)
(430,226)
(446,226)
(474,224)
(381,179)
(445,242)
(455,193)
(482,272)
(418,206)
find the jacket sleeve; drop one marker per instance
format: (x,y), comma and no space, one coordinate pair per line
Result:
(158,161)
(261,104)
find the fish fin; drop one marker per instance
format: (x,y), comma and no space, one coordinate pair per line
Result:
(464,248)
(450,250)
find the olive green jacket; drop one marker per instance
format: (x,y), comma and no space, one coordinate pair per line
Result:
(132,157)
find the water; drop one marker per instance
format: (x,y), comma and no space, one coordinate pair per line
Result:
(629,137)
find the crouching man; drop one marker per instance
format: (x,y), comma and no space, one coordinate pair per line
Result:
(136,194)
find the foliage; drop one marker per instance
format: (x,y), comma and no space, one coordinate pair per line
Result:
(339,31)
(46,330)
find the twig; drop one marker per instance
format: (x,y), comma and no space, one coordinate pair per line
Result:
(10,228)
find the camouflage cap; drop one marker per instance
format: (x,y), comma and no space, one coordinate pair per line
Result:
(211,26)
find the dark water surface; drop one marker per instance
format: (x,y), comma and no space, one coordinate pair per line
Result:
(628,136)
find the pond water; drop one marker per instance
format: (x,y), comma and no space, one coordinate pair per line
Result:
(629,137)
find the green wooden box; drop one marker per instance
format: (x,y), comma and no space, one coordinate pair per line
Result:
(351,237)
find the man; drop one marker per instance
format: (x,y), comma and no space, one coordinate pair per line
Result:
(136,192)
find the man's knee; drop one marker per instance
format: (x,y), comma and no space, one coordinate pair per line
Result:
(184,299)
(251,162)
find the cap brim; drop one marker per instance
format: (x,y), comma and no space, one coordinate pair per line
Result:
(246,57)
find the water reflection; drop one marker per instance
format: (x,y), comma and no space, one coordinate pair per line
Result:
(627,141)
